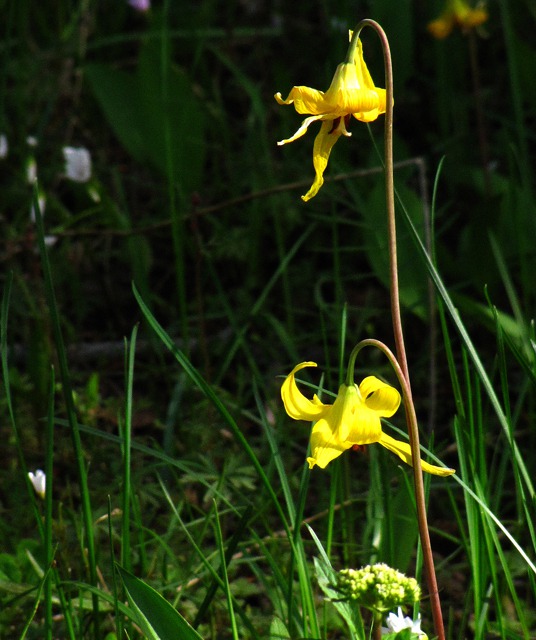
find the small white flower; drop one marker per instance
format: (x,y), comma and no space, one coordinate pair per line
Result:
(31,170)
(31,141)
(38,481)
(4,147)
(77,163)
(397,621)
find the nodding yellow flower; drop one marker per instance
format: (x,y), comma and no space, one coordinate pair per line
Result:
(457,13)
(353,419)
(351,93)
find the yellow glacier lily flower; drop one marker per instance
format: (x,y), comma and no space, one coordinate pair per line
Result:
(457,13)
(351,93)
(353,419)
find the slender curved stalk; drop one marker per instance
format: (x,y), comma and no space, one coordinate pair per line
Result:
(400,363)
(420,501)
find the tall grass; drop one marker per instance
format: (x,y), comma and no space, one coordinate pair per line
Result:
(174,480)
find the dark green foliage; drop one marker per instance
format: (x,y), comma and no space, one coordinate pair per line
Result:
(237,280)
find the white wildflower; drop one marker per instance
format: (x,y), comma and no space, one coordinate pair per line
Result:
(38,481)
(31,170)
(397,621)
(77,163)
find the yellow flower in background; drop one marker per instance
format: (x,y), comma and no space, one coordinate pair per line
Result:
(457,13)
(351,93)
(353,419)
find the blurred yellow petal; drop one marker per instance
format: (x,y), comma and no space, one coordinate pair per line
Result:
(457,13)
(441,27)
(475,18)
(467,17)
(403,451)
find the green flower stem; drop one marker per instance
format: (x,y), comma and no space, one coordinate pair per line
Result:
(402,365)
(377,627)
(353,43)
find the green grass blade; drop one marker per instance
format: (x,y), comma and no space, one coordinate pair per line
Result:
(258,304)
(477,362)
(224,575)
(49,466)
(325,575)
(530,564)
(232,546)
(206,389)
(70,408)
(298,559)
(3,346)
(207,564)
(127,442)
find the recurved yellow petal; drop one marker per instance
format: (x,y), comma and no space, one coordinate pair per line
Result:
(351,93)
(305,100)
(403,451)
(329,133)
(296,404)
(301,131)
(379,396)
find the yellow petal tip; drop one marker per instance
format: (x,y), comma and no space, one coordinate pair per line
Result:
(443,472)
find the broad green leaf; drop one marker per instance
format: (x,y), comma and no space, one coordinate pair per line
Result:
(158,619)
(117,93)
(404,530)
(154,114)
(413,280)
(326,577)
(173,119)
(278,630)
